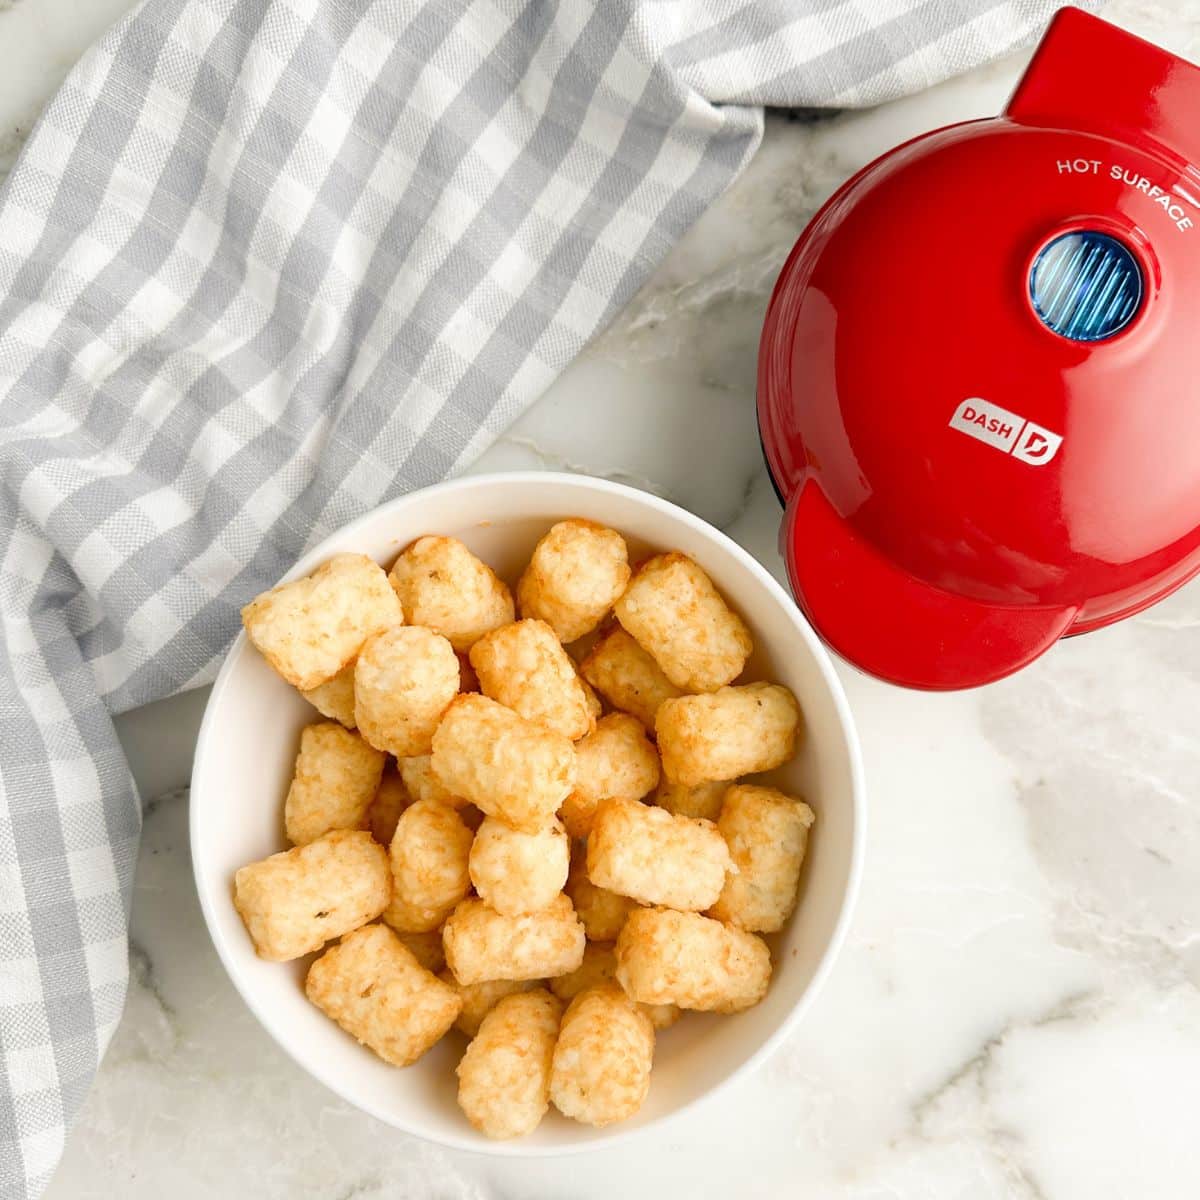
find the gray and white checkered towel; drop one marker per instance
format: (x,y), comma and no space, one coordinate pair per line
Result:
(263,265)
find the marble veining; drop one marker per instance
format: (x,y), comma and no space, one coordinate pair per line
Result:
(1016,1013)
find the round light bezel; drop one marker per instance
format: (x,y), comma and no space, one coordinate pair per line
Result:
(1064,321)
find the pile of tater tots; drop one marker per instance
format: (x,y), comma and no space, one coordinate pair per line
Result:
(545,848)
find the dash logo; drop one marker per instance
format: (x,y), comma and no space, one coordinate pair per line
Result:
(1005,431)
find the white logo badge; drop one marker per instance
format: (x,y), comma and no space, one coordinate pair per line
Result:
(1006,431)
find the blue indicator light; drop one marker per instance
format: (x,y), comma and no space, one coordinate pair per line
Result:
(1085,286)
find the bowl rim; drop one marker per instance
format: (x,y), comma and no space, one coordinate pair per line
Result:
(474,1144)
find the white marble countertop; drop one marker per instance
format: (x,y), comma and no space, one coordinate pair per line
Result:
(1016,1012)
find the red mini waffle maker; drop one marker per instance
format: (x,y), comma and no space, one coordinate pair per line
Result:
(978,386)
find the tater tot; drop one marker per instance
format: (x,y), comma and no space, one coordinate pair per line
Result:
(429,856)
(602,1061)
(656,858)
(426,948)
(403,681)
(294,902)
(523,666)
(478,999)
(309,629)
(423,784)
(767,833)
(519,872)
(702,800)
(736,731)
(444,587)
(594,703)
(600,966)
(662,1016)
(504,1076)
(627,677)
(506,766)
(616,760)
(377,991)
(335,697)
(483,944)
(674,612)
(666,957)
(336,777)
(390,801)
(577,571)
(601,911)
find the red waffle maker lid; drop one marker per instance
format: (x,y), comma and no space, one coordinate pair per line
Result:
(977,390)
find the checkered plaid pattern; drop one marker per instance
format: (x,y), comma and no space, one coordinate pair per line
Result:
(265,264)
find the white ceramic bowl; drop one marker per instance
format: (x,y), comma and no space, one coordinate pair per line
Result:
(244,762)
